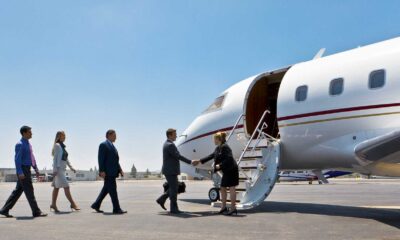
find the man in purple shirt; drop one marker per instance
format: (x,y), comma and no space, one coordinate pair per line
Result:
(24,160)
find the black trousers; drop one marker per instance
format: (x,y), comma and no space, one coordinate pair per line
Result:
(109,187)
(171,193)
(25,186)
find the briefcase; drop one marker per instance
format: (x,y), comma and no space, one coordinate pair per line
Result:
(181,187)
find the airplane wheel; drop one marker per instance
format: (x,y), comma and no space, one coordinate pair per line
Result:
(213,194)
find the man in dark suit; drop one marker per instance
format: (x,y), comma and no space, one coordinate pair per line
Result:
(109,169)
(24,161)
(171,170)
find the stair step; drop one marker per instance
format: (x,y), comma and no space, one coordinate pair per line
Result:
(228,200)
(248,168)
(249,164)
(251,158)
(258,148)
(238,190)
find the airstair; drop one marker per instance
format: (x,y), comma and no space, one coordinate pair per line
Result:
(258,168)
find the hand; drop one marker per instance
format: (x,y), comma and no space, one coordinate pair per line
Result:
(55,174)
(102,174)
(37,175)
(21,177)
(73,169)
(121,172)
(195,162)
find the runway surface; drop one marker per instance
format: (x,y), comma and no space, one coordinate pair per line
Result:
(343,209)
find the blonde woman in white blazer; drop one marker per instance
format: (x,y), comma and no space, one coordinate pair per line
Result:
(60,163)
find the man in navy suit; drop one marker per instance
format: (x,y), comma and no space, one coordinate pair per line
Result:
(109,169)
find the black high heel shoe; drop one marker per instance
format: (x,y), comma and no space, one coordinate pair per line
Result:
(232,211)
(54,208)
(225,209)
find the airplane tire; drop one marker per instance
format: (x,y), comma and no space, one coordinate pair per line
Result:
(213,194)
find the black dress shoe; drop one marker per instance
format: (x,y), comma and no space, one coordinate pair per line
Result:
(120,212)
(176,212)
(97,209)
(161,204)
(6,214)
(41,214)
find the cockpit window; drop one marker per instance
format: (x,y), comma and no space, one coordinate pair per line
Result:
(216,105)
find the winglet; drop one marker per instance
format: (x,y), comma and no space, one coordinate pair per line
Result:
(319,53)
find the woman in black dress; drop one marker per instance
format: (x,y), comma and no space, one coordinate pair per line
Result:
(224,161)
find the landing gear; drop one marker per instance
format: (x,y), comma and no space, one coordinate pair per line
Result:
(213,194)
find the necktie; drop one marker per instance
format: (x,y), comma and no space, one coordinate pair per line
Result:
(32,156)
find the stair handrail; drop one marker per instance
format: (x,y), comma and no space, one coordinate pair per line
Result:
(252,136)
(235,126)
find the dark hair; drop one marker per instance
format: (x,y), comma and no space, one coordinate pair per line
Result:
(109,132)
(170,131)
(24,129)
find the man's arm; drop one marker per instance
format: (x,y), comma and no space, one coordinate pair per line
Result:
(175,153)
(101,158)
(18,158)
(120,170)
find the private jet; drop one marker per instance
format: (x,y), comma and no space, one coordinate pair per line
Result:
(332,112)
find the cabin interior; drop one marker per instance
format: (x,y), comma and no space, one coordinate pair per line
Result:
(263,96)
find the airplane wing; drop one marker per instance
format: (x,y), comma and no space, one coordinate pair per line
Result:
(385,148)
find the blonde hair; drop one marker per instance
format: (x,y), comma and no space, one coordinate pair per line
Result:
(221,136)
(57,140)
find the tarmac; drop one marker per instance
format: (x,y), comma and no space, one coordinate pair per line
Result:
(343,209)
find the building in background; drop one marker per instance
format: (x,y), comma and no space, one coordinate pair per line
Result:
(9,175)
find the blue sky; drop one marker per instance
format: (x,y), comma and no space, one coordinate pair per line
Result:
(143,66)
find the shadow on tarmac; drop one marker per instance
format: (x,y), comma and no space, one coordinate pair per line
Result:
(387,216)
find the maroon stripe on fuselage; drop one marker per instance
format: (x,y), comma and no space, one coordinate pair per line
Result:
(311,114)
(213,132)
(339,110)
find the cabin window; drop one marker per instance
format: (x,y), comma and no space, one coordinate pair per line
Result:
(336,86)
(301,93)
(377,79)
(216,105)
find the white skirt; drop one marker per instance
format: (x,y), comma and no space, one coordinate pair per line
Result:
(60,180)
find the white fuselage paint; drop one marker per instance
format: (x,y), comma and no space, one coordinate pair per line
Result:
(318,140)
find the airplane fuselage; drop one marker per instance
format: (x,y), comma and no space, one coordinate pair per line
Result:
(320,110)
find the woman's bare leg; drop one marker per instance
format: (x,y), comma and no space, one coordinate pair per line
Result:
(223,197)
(232,191)
(69,197)
(54,198)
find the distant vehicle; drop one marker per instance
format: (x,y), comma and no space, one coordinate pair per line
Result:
(309,175)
